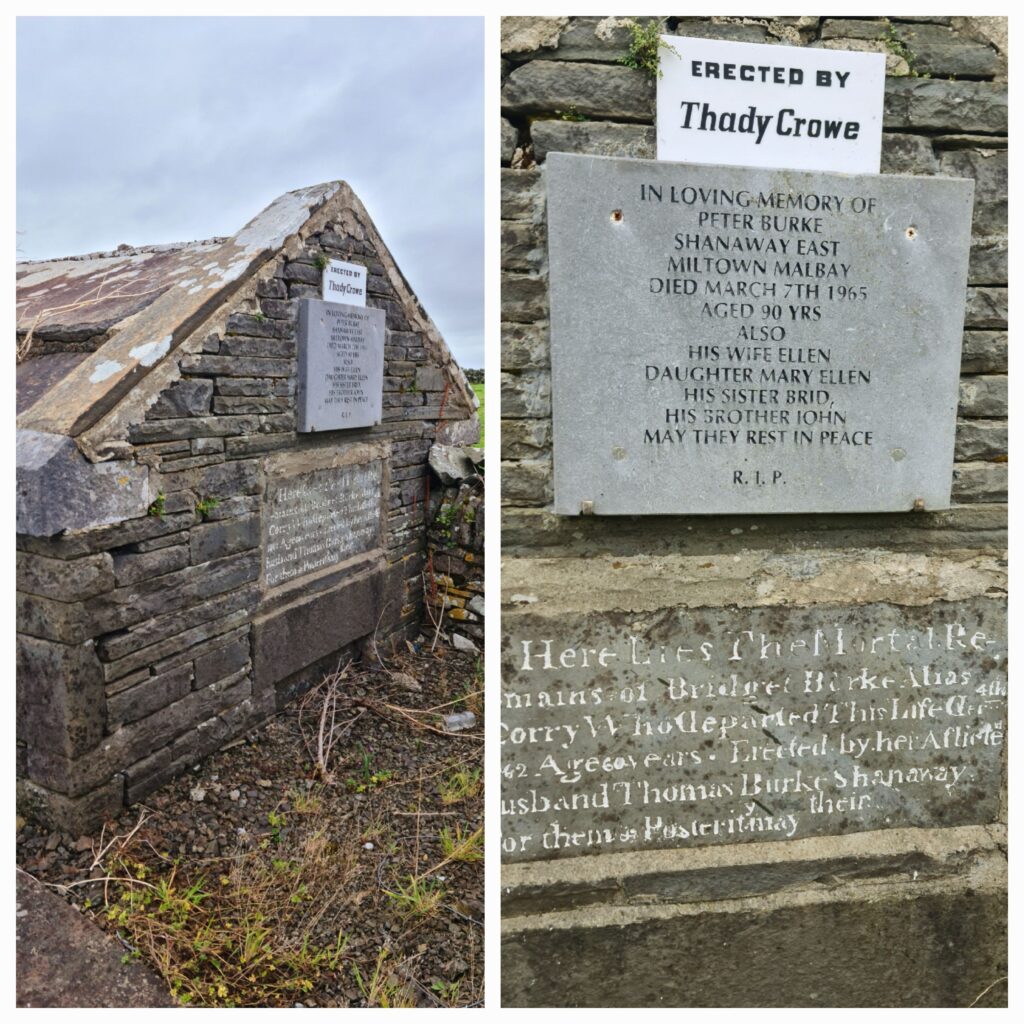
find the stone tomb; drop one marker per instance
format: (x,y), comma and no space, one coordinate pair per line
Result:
(190,554)
(736,340)
(341,365)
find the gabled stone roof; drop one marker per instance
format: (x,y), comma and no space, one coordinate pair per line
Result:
(115,318)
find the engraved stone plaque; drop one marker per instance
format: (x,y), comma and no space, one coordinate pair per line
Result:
(316,517)
(722,726)
(341,365)
(737,340)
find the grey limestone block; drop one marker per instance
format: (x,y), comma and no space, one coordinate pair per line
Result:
(589,90)
(523,246)
(936,105)
(853,28)
(524,346)
(600,138)
(131,567)
(509,137)
(183,398)
(522,195)
(909,154)
(60,702)
(980,439)
(67,580)
(148,696)
(526,482)
(526,395)
(986,308)
(524,299)
(984,397)
(525,439)
(984,352)
(938,50)
(210,541)
(980,482)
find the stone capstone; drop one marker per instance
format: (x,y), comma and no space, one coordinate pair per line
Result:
(59,489)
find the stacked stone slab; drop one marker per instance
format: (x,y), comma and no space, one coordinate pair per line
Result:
(158,406)
(878,915)
(455,542)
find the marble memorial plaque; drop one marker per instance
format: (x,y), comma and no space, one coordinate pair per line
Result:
(738,340)
(340,364)
(321,517)
(799,722)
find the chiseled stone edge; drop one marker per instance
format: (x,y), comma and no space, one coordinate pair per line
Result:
(643,878)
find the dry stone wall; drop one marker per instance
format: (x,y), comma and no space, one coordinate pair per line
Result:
(454,579)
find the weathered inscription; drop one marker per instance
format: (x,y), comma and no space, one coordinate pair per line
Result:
(341,365)
(797,723)
(732,340)
(317,519)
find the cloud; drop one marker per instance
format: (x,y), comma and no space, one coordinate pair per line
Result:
(148,130)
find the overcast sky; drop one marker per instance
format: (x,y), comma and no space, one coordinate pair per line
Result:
(149,130)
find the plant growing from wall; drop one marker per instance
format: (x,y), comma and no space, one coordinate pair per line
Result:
(204,506)
(897,46)
(320,261)
(157,508)
(645,48)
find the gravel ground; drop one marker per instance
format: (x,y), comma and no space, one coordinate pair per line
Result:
(258,878)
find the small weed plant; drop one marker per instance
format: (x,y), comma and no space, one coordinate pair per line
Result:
(204,506)
(897,46)
(645,48)
(243,938)
(368,778)
(381,989)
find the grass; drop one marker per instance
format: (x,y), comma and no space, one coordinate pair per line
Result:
(239,938)
(381,989)
(417,897)
(463,784)
(462,846)
(478,390)
(292,909)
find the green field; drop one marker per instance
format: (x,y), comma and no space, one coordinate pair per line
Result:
(478,390)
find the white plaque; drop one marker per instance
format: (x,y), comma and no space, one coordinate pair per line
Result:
(752,105)
(344,282)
